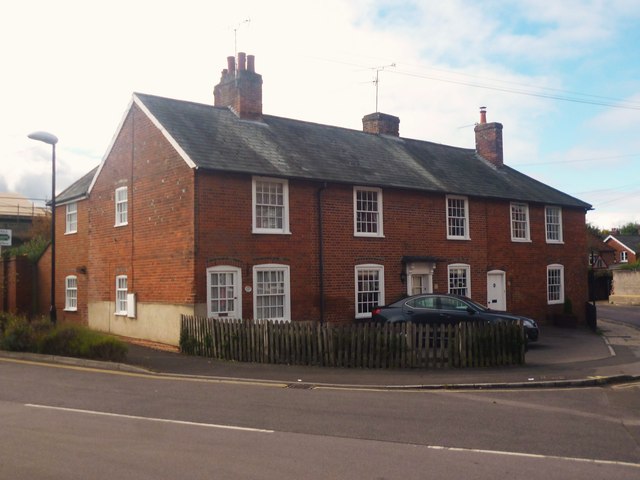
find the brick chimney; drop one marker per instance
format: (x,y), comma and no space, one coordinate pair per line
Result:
(381,124)
(489,140)
(240,89)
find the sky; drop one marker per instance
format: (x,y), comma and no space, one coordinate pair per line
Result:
(562,77)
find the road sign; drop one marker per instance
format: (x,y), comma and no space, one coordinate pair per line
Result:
(5,237)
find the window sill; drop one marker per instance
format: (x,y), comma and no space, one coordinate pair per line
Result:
(365,235)
(70,310)
(555,242)
(271,232)
(71,233)
(458,238)
(521,240)
(120,225)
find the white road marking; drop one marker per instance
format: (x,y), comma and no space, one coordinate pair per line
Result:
(149,419)
(259,430)
(534,455)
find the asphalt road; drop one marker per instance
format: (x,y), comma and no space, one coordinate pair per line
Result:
(629,314)
(62,422)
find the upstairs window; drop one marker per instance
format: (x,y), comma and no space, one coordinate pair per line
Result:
(72,218)
(553,224)
(121,295)
(270,205)
(555,284)
(459,279)
(457,218)
(520,222)
(369,289)
(121,201)
(367,212)
(71,293)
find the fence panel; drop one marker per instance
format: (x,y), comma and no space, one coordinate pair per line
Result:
(367,345)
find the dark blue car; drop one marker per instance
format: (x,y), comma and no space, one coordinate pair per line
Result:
(446,309)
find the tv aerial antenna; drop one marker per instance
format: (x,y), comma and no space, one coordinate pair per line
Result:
(235,35)
(377,79)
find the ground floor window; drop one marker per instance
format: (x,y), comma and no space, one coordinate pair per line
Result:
(121,295)
(555,284)
(271,292)
(71,293)
(369,289)
(459,279)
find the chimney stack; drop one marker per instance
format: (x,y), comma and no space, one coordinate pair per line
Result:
(240,88)
(381,124)
(489,140)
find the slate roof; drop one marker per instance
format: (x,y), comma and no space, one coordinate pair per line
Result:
(215,138)
(632,242)
(76,190)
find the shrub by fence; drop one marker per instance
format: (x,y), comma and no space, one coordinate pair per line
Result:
(362,345)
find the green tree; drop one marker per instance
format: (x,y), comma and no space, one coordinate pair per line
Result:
(631,228)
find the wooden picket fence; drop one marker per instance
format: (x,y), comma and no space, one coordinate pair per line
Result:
(361,345)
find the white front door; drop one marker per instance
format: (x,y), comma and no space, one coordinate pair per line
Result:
(224,296)
(420,284)
(496,291)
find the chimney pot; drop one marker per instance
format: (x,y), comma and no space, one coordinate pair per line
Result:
(483,114)
(231,64)
(251,63)
(242,61)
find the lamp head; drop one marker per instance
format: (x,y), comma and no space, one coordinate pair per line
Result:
(45,137)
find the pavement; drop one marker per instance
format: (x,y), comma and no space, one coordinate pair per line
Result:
(563,357)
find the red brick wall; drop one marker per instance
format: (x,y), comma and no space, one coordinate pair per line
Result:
(72,258)
(414,224)
(19,285)
(156,248)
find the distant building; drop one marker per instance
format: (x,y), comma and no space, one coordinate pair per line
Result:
(17,214)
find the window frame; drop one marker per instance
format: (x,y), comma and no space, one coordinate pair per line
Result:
(547,224)
(378,212)
(286,294)
(624,256)
(71,218)
(122,215)
(561,285)
(71,294)
(526,221)
(467,269)
(121,295)
(379,269)
(465,235)
(284,230)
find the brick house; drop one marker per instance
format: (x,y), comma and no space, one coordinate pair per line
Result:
(225,211)
(626,247)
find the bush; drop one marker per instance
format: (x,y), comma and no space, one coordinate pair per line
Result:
(17,335)
(20,335)
(76,341)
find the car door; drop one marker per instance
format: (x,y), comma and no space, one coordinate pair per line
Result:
(455,310)
(422,309)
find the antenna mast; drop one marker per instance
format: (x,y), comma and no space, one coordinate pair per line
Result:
(377,80)
(235,36)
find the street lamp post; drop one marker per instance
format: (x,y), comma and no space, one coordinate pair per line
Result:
(51,140)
